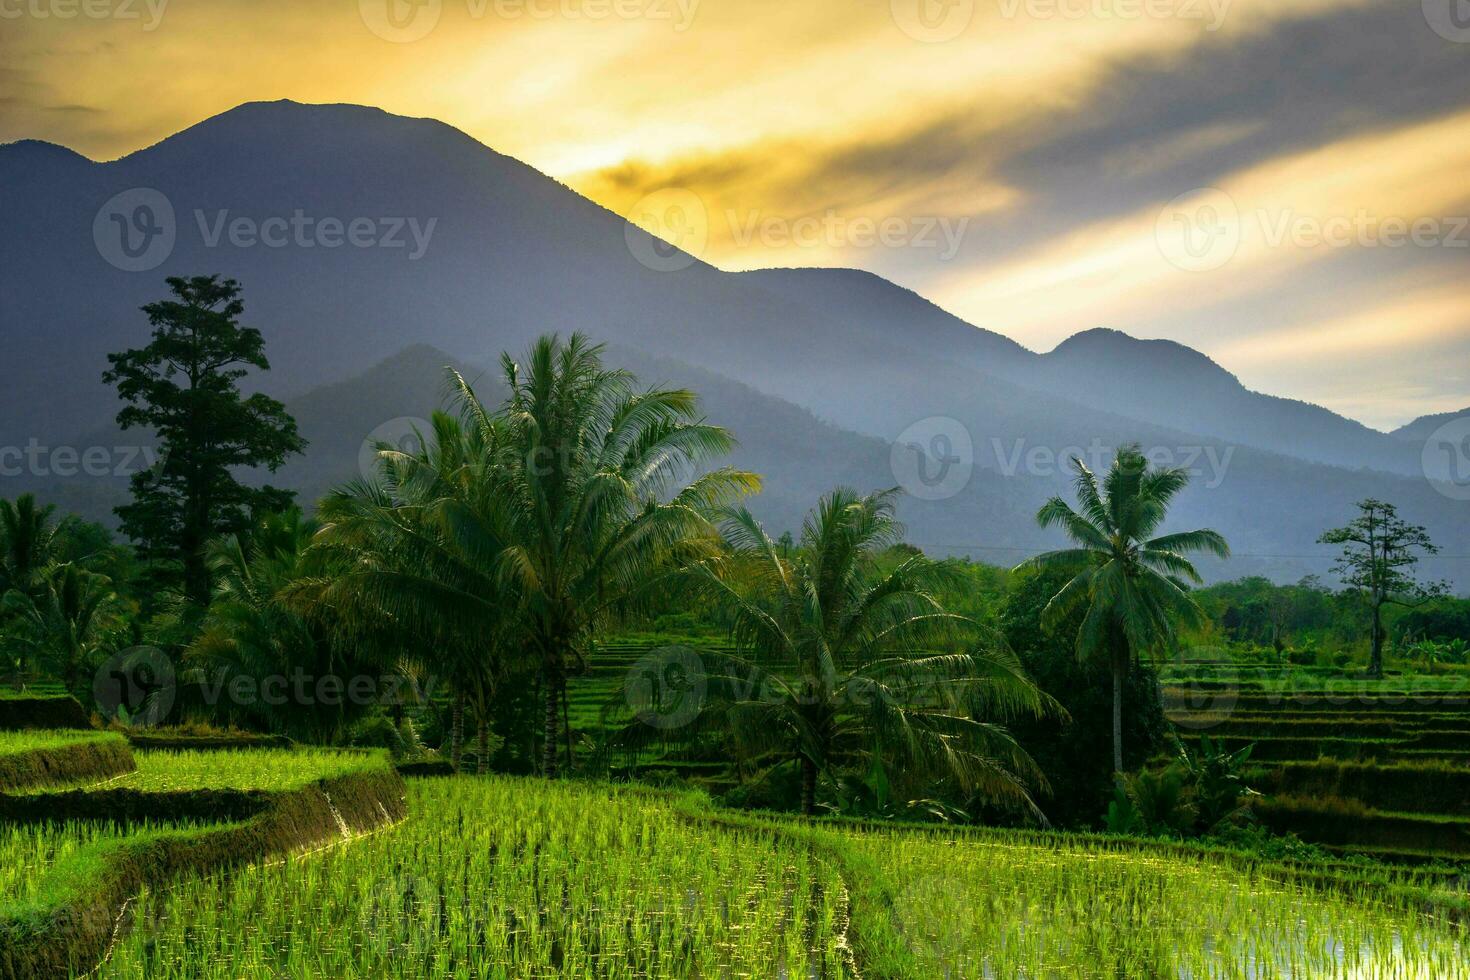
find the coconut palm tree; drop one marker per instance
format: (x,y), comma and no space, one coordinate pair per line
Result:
(1129,584)
(251,632)
(28,546)
(414,567)
(602,498)
(66,620)
(847,667)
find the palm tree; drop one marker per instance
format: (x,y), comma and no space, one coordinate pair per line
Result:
(1130,584)
(66,620)
(28,546)
(250,631)
(850,667)
(414,559)
(602,500)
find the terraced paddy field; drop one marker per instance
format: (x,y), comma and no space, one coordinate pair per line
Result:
(270,770)
(1380,767)
(517,878)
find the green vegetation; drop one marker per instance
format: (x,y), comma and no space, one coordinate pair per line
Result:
(566,586)
(511,878)
(271,770)
(600,881)
(183,387)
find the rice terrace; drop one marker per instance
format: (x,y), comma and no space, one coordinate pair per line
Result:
(720,489)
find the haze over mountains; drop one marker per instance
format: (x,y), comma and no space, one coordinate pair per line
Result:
(463,252)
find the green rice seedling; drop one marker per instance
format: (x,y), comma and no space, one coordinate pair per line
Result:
(29,852)
(991,909)
(12,743)
(510,878)
(253,769)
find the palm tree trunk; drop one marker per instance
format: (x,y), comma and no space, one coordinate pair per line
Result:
(566,717)
(482,746)
(808,787)
(552,727)
(1119,666)
(456,732)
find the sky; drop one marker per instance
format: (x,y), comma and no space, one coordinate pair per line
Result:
(1281,184)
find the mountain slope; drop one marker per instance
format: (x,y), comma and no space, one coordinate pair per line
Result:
(470,252)
(1269,507)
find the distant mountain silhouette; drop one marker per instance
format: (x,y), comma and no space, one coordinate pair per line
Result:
(1423,427)
(508,253)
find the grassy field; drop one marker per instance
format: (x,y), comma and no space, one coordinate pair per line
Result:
(258,769)
(516,878)
(29,741)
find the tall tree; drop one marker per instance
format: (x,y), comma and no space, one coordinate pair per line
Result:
(184,385)
(603,498)
(29,542)
(848,667)
(413,557)
(1130,583)
(1378,557)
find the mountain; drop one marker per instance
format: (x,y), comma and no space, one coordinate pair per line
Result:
(358,234)
(1425,425)
(1268,506)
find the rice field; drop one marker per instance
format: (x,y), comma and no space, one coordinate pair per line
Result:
(516,878)
(989,909)
(29,741)
(509,878)
(28,853)
(270,770)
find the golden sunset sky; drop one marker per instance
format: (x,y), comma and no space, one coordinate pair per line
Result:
(1039,166)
